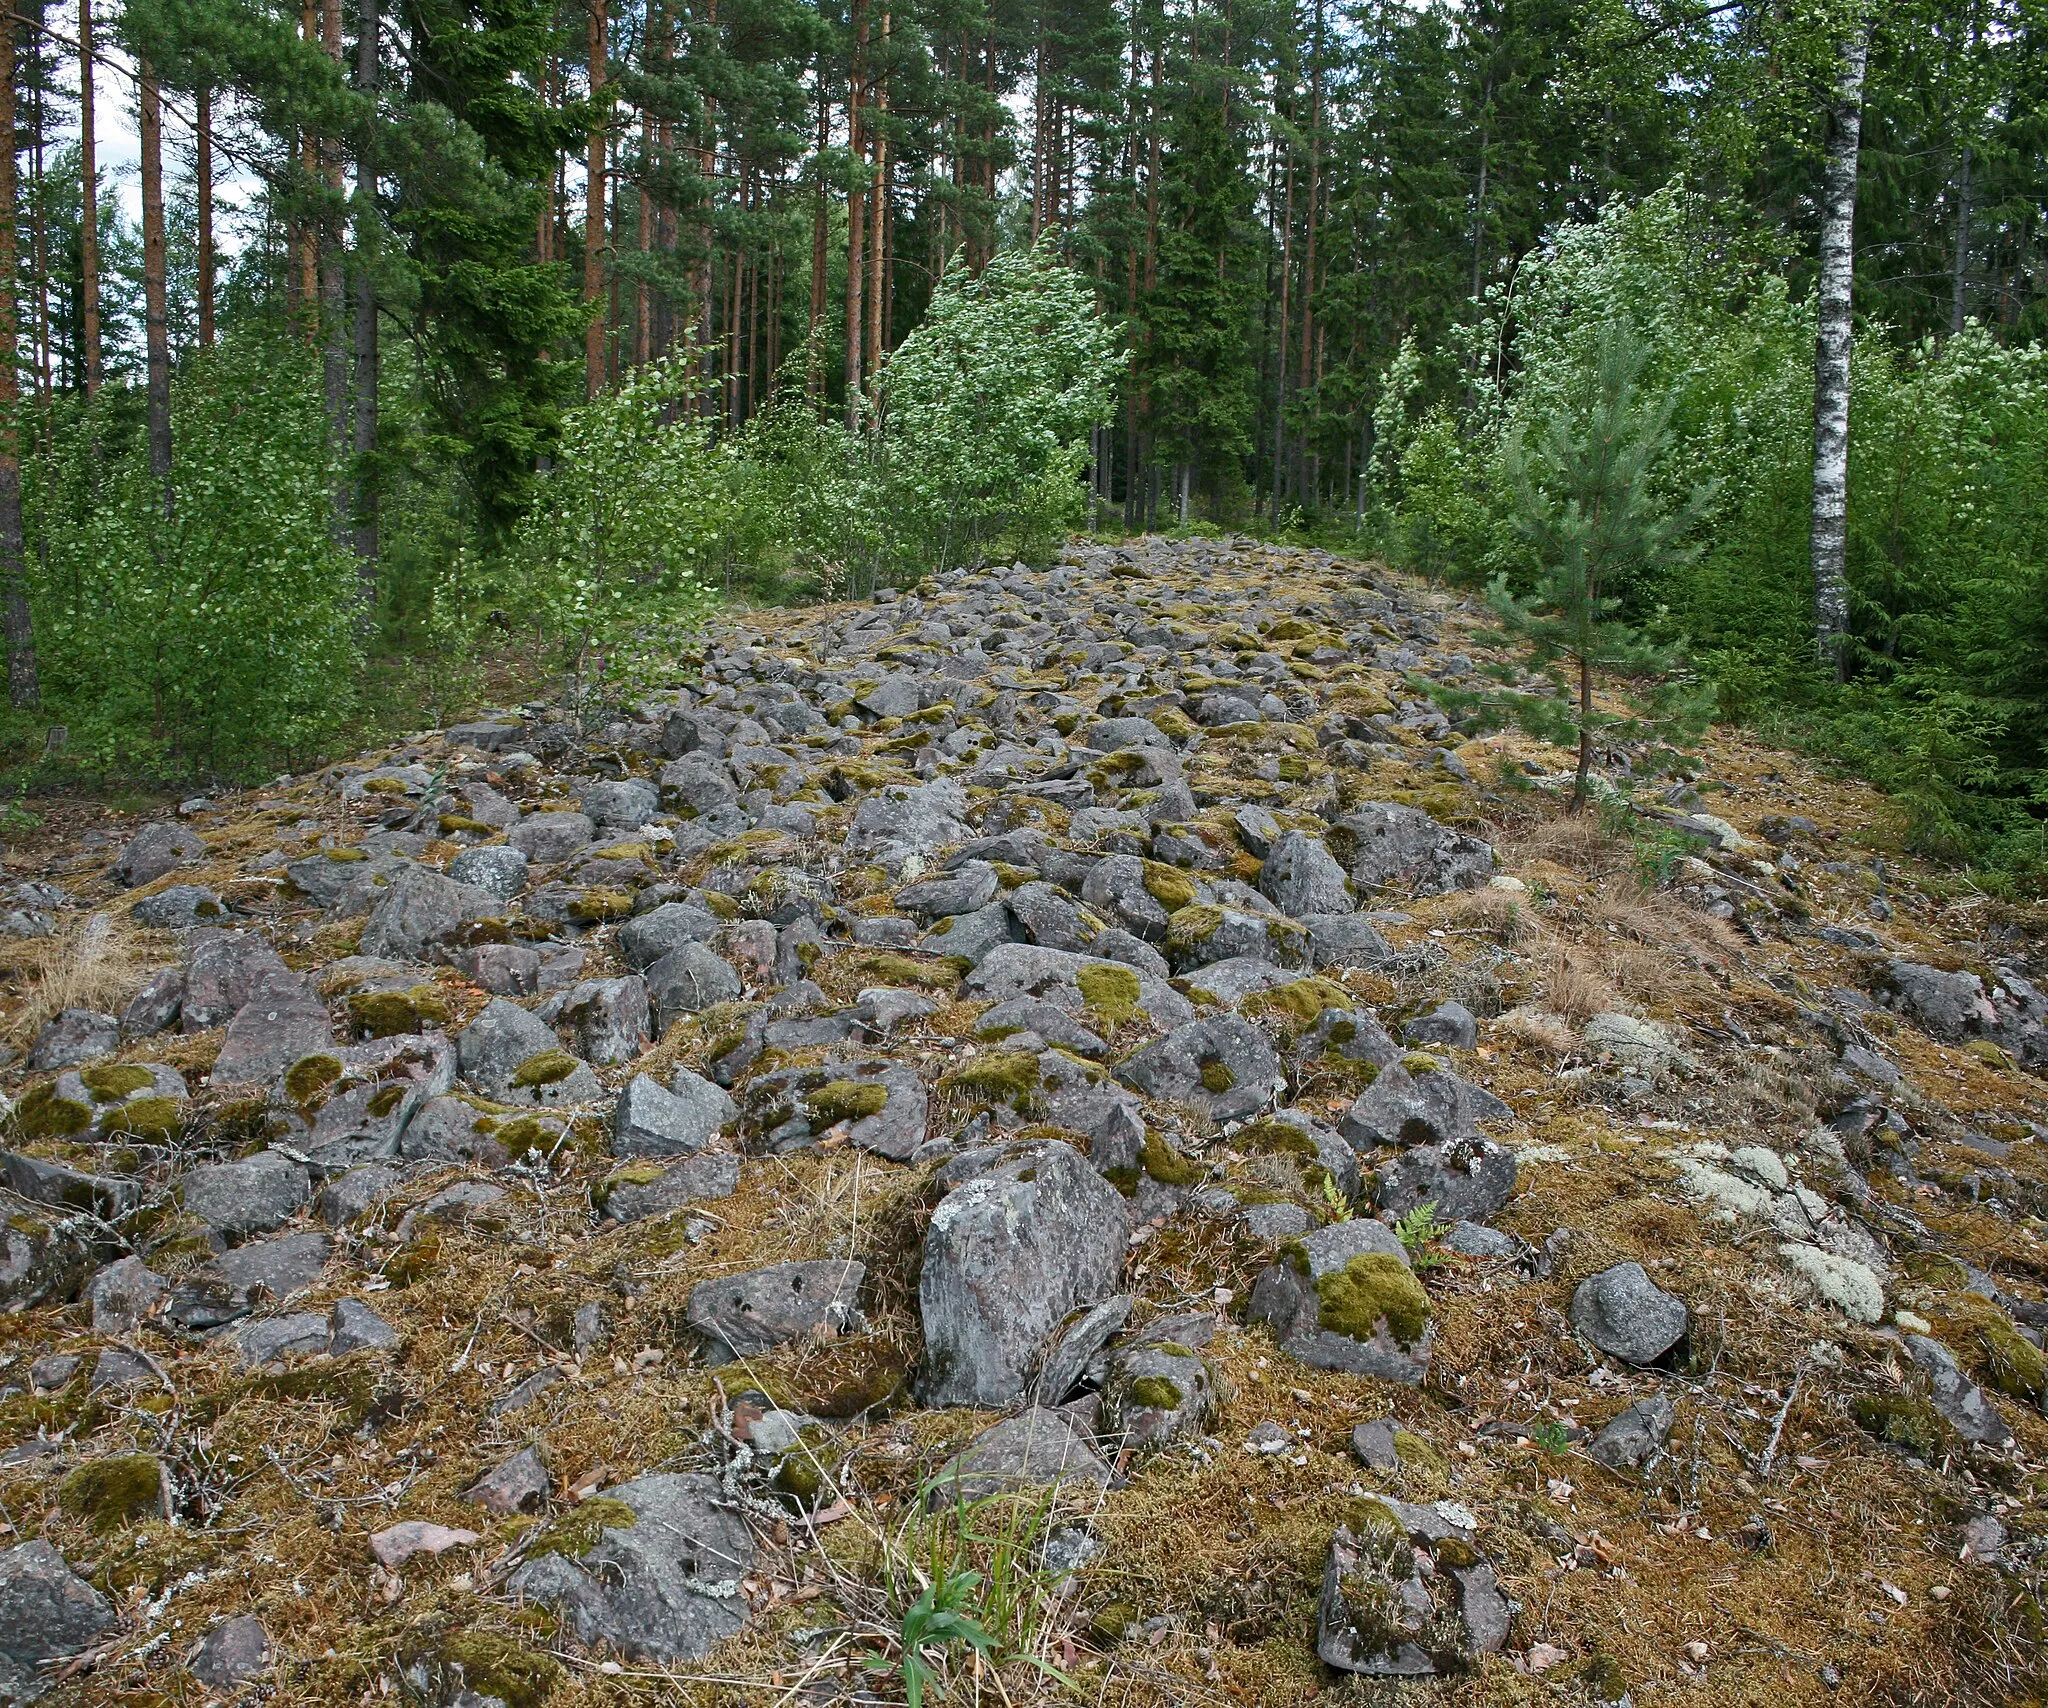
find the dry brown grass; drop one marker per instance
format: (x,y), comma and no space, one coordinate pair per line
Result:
(97,963)
(1574,987)
(1503,915)
(1574,841)
(1540,1030)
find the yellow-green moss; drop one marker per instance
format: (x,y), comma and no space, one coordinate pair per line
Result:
(386,1013)
(1217,1077)
(1418,1063)
(112,1492)
(1166,1165)
(112,1081)
(309,1076)
(1275,1138)
(550,1067)
(385,1099)
(1008,1077)
(1995,1351)
(151,1119)
(901,970)
(846,1100)
(1193,924)
(1300,1001)
(1155,1393)
(42,1114)
(575,1533)
(599,906)
(1374,1287)
(523,1134)
(1110,991)
(498,1666)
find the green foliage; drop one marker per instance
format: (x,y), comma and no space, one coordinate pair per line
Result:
(1421,1232)
(1594,522)
(987,409)
(224,637)
(1551,1437)
(611,563)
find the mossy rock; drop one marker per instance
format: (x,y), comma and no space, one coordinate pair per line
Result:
(1217,1077)
(1111,1623)
(550,1067)
(496,1666)
(1275,1138)
(110,1493)
(309,1078)
(1375,1287)
(1300,1002)
(904,970)
(575,1533)
(1110,992)
(1193,924)
(601,906)
(42,1114)
(386,1013)
(1166,1165)
(846,1100)
(153,1120)
(1009,1077)
(414,1261)
(1154,1393)
(110,1082)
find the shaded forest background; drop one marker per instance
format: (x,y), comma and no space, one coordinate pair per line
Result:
(546,324)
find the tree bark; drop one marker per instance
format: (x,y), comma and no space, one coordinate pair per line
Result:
(368,358)
(89,212)
(202,193)
(878,228)
(307,232)
(334,290)
(1959,285)
(1831,359)
(593,207)
(23,687)
(155,312)
(856,197)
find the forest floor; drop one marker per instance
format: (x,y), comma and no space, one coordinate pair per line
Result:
(1738,1038)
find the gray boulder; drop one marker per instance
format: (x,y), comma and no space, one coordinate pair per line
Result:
(968,887)
(647,937)
(280,1023)
(249,1278)
(897,825)
(1009,1253)
(75,1036)
(1406,851)
(1947,1006)
(1962,1405)
(1094,990)
(654,1120)
(1035,1449)
(124,1295)
(744,1315)
(1344,1298)
(1345,940)
(1224,1066)
(1407,1107)
(47,1613)
(621,804)
(1068,1362)
(178,907)
(518,1484)
(278,1340)
(420,907)
(233,1651)
(497,869)
(1467,1180)
(1450,1024)
(687,980)
(1628,1316)
(1303,878)
(610,1017)
(223,971)
(881,1104)
(546,837)
(638,1191)
(512,1056)
(252,1196)
(1157,1390)
(665,1587)
(353,1327)
(1631,1440)
(154,1008)
(45,1259)
(154,850)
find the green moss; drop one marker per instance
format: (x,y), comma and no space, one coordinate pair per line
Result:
(1217,1077)
(903,970)
(1010,1077)
(309,1076)
(1276,1138)
(1995,1351)
(455,824)
(1901,1422)
(600,906)
(113,1081)
(1110,991)
(386,1013)
(1301,1001)
(344,856)
(798,1477)
(1603,1679)
(385,1099)
(575,1533)
(112,1492)
(1420,1454)
(1455,1554)
(414,1261)
(1154,1393)
(1166,1165)
(846,1100)
(550,1067)
(1194,924)
(1111,1622)
(1373,1288)
(151,1119)
(1418,1063)
(492,1665)
(1372,1520)
(520,1135)
(1125,1180)
(42,1114)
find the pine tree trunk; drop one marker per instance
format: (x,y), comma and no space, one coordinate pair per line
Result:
(334,290)
(856,198)
(593,207)
(1578,801)
(155,312)
(1959,284)
(89,211)
(23,688)
(202,195)
(368,360)
(1831,360)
